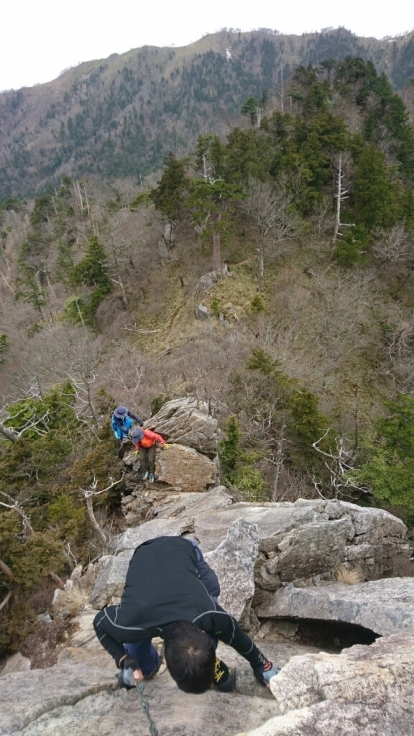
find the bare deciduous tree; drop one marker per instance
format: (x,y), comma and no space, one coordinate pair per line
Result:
(339,463)
(270,208)
(394,246)
(38,425)
(91,492)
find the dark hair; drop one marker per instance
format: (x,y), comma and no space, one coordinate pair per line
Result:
(190,656)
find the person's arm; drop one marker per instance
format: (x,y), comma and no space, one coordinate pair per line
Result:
(158,438)
(207,576)
(135,418)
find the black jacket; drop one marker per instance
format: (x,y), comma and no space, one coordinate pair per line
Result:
(167,581)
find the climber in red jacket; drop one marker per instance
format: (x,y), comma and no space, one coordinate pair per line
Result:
(145,441)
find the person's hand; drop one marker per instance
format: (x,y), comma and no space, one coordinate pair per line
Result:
(265,671)
(131,673)
(166,446)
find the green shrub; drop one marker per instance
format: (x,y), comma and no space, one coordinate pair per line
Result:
(351,247)
(158,402)
(250,483)
(257,304)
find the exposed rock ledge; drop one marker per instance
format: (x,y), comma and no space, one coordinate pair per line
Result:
(383,606)
(365,691)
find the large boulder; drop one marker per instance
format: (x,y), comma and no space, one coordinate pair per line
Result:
(311,538)
(305,541)
(110,582)
(233,562)
(383,606)
(365,691)
(185,469)
(16,663)
(187,421)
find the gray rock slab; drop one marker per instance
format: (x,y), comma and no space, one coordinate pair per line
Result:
(233,562)
(365,691)
(25,697)
(74,700)
(187,421)
(134,536)
(16,663)
(383,606)
(110,582)
(191,505)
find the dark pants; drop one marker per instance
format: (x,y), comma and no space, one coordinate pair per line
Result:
(145,654)
(147,458)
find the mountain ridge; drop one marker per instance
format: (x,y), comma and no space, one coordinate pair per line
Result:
(118,117)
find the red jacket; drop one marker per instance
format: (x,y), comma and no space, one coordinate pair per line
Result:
(149,439)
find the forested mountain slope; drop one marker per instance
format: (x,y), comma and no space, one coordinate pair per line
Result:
(292,236)
(119,116)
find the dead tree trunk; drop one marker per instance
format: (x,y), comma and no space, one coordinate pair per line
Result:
(216,252)
(340,196)
(278,463)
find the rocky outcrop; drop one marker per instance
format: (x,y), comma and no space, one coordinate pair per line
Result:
(301,543)
(365,691)
(110,582)
(15,663)
(234,561)
(187,422)
(383,606)
(185,469)
(302,540)
(281,558)
(180,468)
(202,312)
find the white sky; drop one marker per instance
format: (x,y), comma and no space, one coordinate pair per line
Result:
(40,38)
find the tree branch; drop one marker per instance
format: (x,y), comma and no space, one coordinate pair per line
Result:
(6,599)
(6,570)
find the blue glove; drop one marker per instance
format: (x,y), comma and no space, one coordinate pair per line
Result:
(265,671)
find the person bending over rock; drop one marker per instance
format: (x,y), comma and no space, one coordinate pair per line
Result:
(171,592)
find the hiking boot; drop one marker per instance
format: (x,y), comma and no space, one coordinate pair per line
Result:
(151,477)
(145,476)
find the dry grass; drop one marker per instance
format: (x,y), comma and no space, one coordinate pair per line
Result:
(72,603)
(349,575)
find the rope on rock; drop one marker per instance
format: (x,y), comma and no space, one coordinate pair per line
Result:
(145,707)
